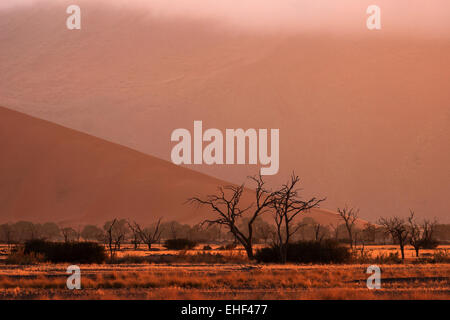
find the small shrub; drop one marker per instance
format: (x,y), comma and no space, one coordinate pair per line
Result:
(179,244)
(201,258)
(19,257)
(307,252)
(392,257)
(75,252)
(438,256)
(132,259)
(429,244)
(363,257)
(210,258)
(230,246)
(441,256)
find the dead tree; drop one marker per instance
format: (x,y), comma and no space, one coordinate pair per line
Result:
(109,238)
(428,230)
(263,201)
(398,230)
(263,230)
(415,233)
(349,215)
(226,205)
(8,234)
(136,240)
(149,236)
(335,230)
(319,232)
(173,230)
(69,234)
(369,232)
(78,233)
(301,228)
(288,205)
(116,232)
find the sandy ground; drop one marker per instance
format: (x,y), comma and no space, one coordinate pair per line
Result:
(226,281)
(183,281)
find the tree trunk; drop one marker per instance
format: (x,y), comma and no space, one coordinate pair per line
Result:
(402,250)
(283,253)
(249,250)
(351,238)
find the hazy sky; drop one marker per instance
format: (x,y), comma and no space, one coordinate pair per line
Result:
(414,17)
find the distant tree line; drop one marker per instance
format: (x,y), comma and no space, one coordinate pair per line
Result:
(264,232)
(121,231)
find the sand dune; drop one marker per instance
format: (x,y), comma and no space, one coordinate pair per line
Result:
(363,117)
(51,173)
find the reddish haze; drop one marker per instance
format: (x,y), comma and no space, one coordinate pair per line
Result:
(364,116)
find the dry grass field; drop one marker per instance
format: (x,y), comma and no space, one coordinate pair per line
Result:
(234,279)
(371,250)
(229,281)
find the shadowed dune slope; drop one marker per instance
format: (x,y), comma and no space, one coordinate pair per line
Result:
(52,173)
